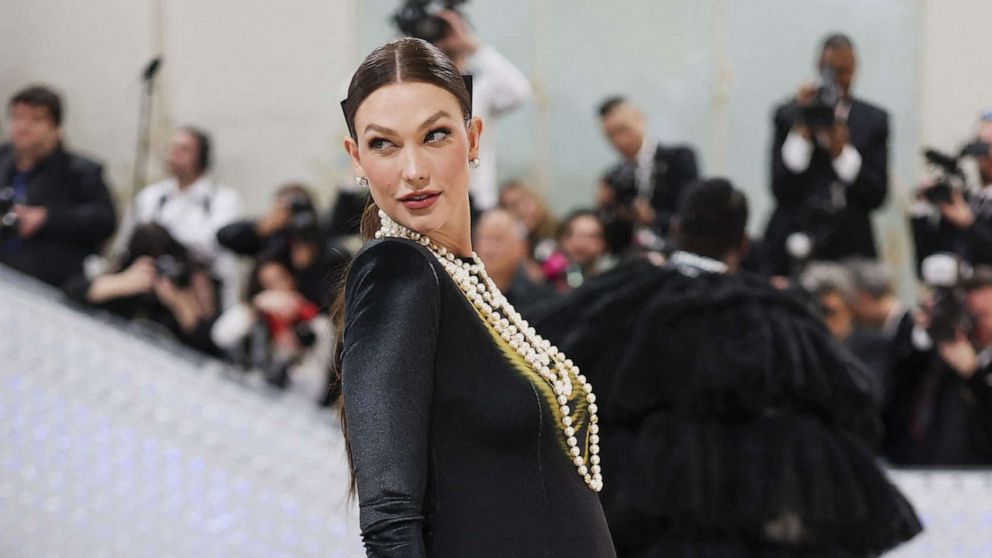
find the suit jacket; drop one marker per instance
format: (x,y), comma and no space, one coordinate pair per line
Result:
(674,168)
(80,215)
(838,232)
(973,243)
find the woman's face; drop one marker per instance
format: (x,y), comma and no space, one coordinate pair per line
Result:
(414,147)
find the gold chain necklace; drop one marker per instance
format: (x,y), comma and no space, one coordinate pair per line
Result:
(559,372)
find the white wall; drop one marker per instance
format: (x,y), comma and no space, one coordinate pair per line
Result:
(261,76)
(264,78)
(955,69)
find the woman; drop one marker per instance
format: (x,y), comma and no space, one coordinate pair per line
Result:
(469,434)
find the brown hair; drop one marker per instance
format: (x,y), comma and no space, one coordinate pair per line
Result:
(40,96)
(403,60)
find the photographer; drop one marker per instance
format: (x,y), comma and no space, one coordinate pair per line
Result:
(277,330)
(55,209)
(829,165)
(498,87)
(158,282)
(192,206)
(644,189)
(945,410)
(289,231)
(948,217)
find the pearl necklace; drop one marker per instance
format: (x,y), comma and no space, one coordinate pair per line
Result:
(559,372)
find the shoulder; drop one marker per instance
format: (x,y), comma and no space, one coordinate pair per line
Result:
(83,165)
(222,191)
(152,192)
(785,113)
(675,152)
(870,111)
(392,260)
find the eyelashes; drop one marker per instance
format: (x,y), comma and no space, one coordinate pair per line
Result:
(437,135)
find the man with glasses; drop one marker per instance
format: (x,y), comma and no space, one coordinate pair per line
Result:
(55,209)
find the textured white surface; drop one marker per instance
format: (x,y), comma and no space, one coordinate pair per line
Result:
(114,446)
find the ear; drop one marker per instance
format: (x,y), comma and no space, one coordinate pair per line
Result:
(351,148)
(475,127)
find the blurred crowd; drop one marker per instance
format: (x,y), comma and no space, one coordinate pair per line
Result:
(175,257)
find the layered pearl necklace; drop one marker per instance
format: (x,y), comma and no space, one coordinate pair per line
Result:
(559,372)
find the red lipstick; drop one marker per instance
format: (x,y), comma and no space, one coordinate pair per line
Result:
(420,200)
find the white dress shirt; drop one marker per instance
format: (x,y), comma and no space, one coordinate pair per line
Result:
(192,216)
(498,87)
(797,152)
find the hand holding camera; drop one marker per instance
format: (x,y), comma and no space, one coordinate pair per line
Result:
(29,219)
(960,355)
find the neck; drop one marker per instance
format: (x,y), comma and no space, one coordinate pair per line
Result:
(459,244)
(185,181)
(27,159)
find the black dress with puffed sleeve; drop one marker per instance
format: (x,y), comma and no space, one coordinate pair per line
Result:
(455,443)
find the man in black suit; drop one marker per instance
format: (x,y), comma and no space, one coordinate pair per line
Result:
(57,209)
(829,166)
(644,189)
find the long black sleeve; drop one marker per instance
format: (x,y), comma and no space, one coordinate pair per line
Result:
(392,314)
(240,237)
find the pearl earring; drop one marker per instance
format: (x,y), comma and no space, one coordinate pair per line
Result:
(362,181)
(474,163)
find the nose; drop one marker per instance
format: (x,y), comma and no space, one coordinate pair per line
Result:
(415,170)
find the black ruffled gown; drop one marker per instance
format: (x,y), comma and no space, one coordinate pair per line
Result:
(733,424)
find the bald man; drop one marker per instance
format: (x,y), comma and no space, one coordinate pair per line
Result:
(501,242)
(645,187)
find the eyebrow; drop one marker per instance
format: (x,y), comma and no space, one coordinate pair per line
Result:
(434,118)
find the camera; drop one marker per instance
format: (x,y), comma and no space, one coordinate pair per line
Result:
(8,219)
(819,114)
(623,181)
(418,18)
(175,270)
(302,217)
(945,274)
(947,171)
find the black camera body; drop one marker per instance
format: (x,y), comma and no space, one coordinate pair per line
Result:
(417,18)
(8,219)
(175,270)
(302,217)
(948,173)
(820,113)
(622,179)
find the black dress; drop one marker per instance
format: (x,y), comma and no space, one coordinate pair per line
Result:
(733,424)
(455,443)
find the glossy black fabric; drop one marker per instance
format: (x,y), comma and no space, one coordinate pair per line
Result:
(727,409)
(456,451)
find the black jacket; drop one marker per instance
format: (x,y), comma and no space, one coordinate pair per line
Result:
(674,168)
(973,243)
(802,199)
(80,215)
(728,406)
